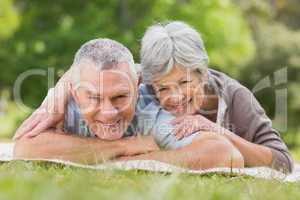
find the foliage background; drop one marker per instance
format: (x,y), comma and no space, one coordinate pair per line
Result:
(247,39)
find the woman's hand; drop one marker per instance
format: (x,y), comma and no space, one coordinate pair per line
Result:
(189,124)
(51,111)
(48,115)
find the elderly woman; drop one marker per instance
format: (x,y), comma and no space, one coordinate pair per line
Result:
(175,71)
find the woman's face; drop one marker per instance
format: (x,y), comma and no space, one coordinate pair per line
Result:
(180,91)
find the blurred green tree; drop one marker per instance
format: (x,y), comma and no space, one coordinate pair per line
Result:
(9,19)
(248,39)
(50,33)
(275,28)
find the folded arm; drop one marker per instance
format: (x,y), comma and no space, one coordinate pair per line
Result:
(208,150)
(53,145)
(259,143)
(200,150)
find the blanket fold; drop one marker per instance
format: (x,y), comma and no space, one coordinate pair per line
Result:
(6,155)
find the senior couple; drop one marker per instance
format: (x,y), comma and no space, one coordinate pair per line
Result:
(171,108)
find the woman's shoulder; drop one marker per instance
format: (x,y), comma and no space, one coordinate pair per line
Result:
(226,86)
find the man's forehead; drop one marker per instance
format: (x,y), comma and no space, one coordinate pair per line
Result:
(107,81)
(113,65)
(102,90)
(89,70)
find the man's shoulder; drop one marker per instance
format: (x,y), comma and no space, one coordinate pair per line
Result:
(146,95)
(73,122)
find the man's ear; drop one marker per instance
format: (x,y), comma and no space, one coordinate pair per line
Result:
(139,81)
(139,74)
(72,91)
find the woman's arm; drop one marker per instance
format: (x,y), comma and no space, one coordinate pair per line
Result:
(254,154)
(207,150)
(50,112)
(252,132)
(254,136)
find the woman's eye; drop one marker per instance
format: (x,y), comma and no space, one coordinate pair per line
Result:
(185,81)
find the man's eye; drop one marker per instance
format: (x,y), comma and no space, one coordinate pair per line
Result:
(119,97)
(94,98)
(162,89)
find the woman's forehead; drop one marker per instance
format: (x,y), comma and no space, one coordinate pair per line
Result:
(177,73)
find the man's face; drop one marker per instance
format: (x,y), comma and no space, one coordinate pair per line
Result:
(107,99)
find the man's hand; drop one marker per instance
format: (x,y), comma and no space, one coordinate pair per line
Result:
(139,145)
(188,124)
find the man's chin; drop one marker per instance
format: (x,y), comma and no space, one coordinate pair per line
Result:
(110,136)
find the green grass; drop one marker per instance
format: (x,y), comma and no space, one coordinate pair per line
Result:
(24,180)
(11,119)
(296,154)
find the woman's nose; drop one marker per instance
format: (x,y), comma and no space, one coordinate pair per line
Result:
(177,96)
(176,99)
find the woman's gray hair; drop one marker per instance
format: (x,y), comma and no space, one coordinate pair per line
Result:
(105,54)
(165,45)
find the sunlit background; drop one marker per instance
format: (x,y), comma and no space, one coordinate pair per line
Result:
(247,39)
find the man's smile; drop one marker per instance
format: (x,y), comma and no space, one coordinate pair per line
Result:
(111,125)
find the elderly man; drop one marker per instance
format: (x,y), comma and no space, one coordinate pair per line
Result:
(105,118)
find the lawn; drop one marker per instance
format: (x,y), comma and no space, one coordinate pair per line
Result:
(32,181)
(36,181)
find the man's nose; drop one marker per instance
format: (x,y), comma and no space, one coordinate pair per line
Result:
(107,113)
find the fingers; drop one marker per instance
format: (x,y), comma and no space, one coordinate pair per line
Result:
(26,126)
(186,128)
(41,127)
(184,118)
(32,126)
(189,124)
(185,131)
(179,131)
(178,120)
(30,123)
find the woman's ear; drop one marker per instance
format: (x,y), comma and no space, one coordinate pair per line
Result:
(204,75)
(206,78)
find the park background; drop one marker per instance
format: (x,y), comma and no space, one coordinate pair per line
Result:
(246,39)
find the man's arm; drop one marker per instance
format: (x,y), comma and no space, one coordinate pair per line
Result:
(53,145)
(208,150)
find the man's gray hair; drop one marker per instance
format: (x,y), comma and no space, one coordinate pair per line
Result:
(105,54)
(163,45)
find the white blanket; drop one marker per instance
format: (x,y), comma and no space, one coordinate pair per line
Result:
(6,154)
